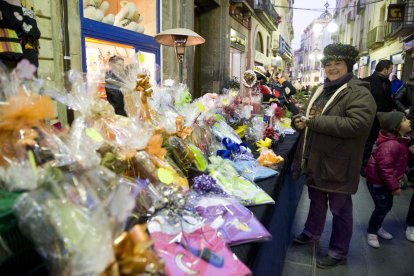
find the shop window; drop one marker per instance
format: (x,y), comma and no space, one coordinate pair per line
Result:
(134,15)
(259,43)
(98,52)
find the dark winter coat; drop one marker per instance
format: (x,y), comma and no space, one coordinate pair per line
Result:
(405,100)
(380,88)
(114,94)
(388,161)
(338,137)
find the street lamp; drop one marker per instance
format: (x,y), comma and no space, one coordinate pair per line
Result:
(325,17)
(179,38)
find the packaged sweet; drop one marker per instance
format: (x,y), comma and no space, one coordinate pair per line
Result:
(234,223)
(68,224)
(186,155)
(25,136)
(222,130)
(200,252)
(227,177)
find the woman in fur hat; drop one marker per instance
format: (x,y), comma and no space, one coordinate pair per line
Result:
(334,128)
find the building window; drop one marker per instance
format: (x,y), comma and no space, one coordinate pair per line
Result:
(259,43)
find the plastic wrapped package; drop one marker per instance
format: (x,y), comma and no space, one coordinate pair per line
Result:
(222,130)
(24,136)
(68,224)
(186,155)
(200,252)
(168,173)
(242,189)
(234,223)
(255,129)
(202,137)
(185,243)
(251,170)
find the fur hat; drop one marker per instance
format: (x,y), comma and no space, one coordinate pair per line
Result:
(339,51)
(390,121)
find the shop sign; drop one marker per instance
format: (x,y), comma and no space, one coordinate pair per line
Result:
(237,40)
(396,13)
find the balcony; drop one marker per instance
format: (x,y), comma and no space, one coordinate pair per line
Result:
(361,6)
(266,12)
(284,49)
(404,29)
(375,38)
(362,47)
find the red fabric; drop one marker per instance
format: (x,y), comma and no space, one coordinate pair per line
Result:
(388,161)
(264,89)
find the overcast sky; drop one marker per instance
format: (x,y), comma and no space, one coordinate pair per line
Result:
(302,18)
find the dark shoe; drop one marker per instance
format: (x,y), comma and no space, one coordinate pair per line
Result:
(303,239)
(328,262)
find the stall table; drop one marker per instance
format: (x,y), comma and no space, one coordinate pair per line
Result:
(267,258)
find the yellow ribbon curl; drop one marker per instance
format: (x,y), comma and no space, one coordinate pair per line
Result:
(261,144)
(134,255)
(182,132)
(144,88)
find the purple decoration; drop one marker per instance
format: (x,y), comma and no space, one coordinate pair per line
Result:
(206,184)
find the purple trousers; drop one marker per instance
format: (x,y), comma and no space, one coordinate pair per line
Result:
(341,209)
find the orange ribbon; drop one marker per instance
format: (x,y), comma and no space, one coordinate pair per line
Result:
(268,157)
(21,112)
(134,255)
(154,146)
(182,132)
(144,88)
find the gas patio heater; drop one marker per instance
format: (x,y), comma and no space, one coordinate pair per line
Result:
(179,38)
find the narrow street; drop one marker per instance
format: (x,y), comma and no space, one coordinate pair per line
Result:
(394,257)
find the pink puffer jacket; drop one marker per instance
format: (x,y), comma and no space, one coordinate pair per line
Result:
(388,161)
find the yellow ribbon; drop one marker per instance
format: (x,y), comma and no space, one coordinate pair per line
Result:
(144,88)
(240,130)
(267,143)
(134,255)
(182,132)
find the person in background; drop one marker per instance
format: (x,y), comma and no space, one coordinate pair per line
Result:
(283,90)
(396,83)
(404,102)
(334,128)
(380,87)
(113,83)
(385,168)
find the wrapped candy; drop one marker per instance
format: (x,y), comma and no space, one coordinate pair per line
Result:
(234,223)
(186,155)
(199,252)
(222,130)
(24,136)
(185,243)
(68,225)
(227,177)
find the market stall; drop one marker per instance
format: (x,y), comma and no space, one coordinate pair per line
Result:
(173,186)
